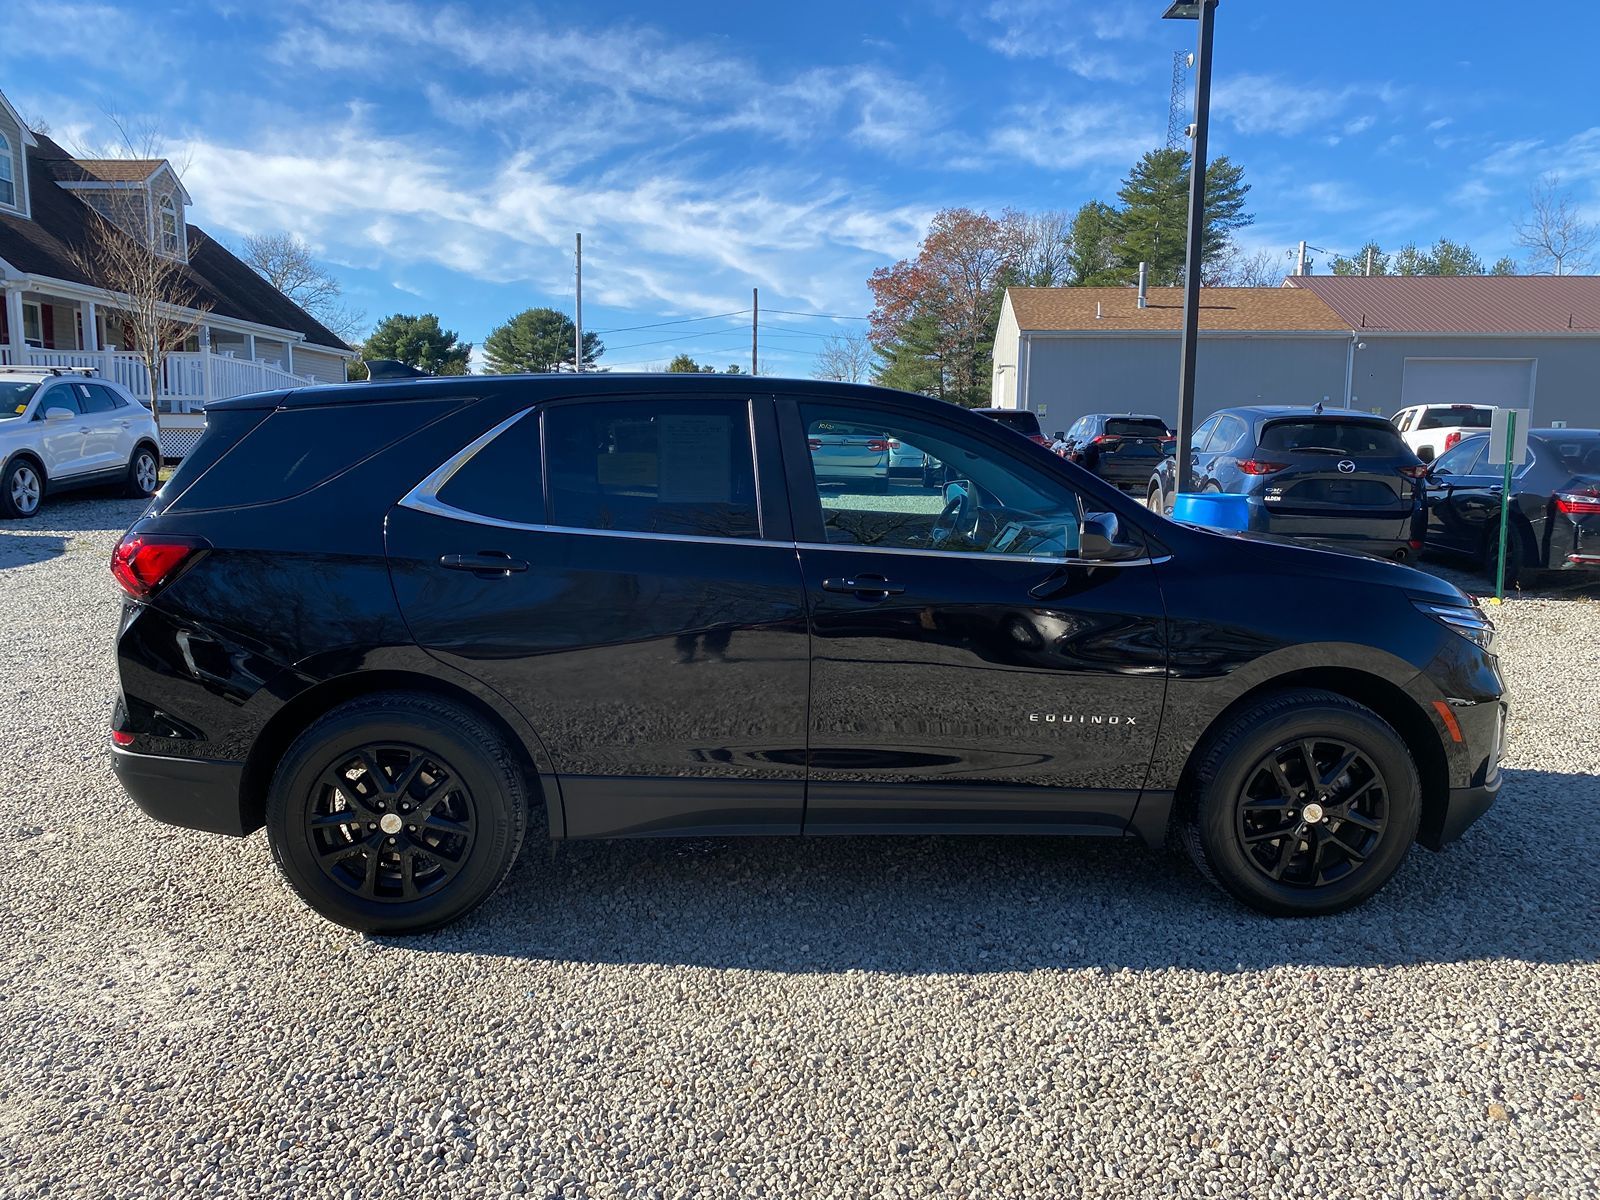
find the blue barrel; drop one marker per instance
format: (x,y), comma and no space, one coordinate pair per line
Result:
(1216,510)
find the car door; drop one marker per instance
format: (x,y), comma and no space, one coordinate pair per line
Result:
(105,429)
(970,669)
(61,442)
(1462,495)
(613,569)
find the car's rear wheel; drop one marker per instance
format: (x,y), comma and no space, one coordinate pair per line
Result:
(1518,571)
(1153,500)
(144,473)
(21,489)
(397,813)
(1305,804)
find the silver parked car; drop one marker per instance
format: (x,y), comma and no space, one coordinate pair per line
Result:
(850,455)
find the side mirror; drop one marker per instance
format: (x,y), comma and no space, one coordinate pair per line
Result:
(58,414)
(1097,540)
(1426,454)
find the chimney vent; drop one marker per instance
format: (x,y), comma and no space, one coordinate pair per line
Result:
(1144,285)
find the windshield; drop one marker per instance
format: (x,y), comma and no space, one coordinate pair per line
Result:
(1332,437)
(14,397)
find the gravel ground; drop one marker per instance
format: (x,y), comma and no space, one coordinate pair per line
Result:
(861,1017)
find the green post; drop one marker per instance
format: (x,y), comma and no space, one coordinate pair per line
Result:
(1505,507)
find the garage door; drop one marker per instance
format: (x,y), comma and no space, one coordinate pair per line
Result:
(1503,382)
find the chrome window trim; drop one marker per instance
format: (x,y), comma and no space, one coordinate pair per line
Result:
(984,555)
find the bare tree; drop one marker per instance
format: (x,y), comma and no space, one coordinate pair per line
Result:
(1234,268)
(846,358)
(1043,247)
(286,262)
(1554,233)
(154,290)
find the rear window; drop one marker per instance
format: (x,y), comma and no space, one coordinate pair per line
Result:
(1019,419)
(503,480)
(1136,427)
(1332,437)
(297,449)
(1578,453)
(1453,418)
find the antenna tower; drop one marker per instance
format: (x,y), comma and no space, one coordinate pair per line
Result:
(1178,104)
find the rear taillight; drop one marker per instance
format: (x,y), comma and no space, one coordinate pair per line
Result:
(121,737)
(1579,504)
(1106,439)
(1255,466)
(893,444)
(814,443)
(1419,471)
(1452,440)
(877,445)
(144,565)
(1040,438)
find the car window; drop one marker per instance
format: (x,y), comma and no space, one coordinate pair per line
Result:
(1202,436)
(1135,427)
(1022,420)
(14,397)
(1332,436)
(652,466)
(970,497)
(1402,420)
(60,396)
(1227,434)
(1456,417)
(93,399)
(118,400)
(503,480)
(1577,453)
(1462,458)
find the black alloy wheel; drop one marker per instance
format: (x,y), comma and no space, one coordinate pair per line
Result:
(391,822)
(398,812)
(1304,803)
(1311,811)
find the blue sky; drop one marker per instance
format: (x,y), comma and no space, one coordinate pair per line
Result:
(440,157)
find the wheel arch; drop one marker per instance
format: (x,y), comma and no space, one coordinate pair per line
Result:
(305,707)
(32,457)
(1387,700)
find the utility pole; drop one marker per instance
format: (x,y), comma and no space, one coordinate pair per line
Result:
(1369,260)
(1189,341)
(1300,262)
(577,319)
(755,323)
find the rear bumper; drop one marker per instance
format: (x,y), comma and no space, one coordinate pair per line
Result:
(1388,533)
(195,793)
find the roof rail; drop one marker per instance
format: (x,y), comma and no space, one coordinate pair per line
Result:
(89,372)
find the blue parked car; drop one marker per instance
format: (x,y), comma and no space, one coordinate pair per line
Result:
(1343,479)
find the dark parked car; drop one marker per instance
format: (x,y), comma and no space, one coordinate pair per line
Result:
(1121,448)
(1554,522)
(1337,478)
(1020,419)
(405,624)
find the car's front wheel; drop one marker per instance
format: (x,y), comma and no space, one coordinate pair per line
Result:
(397,813)
(1305,804)
(21,489)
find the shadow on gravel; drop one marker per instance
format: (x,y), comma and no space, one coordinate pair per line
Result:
(1520,885)
(18,550)
(88,511)
(1563,585)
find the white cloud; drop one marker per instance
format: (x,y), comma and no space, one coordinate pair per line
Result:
(1258,103)
(1067,136)
(1072,34)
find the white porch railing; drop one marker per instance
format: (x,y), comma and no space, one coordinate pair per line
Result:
(188,380)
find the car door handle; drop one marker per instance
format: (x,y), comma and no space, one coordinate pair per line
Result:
(486,563)
(865,586)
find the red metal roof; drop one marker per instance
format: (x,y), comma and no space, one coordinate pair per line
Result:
(1461,303)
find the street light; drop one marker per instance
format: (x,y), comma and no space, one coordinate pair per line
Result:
(1205,12)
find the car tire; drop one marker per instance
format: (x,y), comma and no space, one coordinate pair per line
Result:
(397,813)
(21,489)
(144,473)
(1518,573)
(1153,500)
(1362,821)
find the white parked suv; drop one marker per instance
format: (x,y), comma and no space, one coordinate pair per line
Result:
(64,429)
(1431,429)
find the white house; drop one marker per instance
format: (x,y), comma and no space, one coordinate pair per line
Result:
(250,338)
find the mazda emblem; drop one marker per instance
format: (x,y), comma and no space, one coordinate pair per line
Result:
(1346,467)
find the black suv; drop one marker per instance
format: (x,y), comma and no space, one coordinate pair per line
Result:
(1338,478)
(1121,448)
(402,624)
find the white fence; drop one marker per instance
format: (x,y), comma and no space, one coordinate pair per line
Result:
(188,380)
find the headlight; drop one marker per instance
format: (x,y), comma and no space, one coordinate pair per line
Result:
(1467,620)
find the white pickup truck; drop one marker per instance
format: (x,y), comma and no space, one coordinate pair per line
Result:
(1431,429)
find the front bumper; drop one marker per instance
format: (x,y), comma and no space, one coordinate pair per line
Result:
(196,793)
(1460,812)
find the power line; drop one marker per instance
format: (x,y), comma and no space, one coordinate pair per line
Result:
(680,321)
(681,337)
(790,312)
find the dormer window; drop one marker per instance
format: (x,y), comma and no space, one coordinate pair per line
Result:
(8,179)
(169,226)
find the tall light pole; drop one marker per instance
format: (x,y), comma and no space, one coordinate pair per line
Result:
(1204,11)
(577,316)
